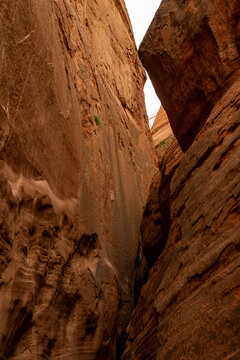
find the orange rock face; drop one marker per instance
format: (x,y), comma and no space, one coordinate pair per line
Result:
(76,165)
(155,223)
(161,128)
(190,306)
(191,52)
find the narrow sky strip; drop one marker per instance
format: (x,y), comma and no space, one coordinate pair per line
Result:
(141,13)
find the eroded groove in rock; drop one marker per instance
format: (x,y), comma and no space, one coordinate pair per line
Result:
(56,283)
(156,218)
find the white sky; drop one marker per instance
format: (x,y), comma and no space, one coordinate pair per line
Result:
(141,13)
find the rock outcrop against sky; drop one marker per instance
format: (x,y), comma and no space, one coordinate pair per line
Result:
(191,52)
(76,165)
(161,129)
(190,306)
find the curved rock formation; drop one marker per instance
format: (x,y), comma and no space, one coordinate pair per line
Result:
(76,165)
(191,52)
(190,306)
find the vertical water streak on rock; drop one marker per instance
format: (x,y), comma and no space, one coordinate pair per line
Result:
(76,158)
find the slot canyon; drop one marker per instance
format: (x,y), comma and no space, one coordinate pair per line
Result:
(117,241)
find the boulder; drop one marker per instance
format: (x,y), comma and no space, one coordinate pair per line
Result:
(191,52)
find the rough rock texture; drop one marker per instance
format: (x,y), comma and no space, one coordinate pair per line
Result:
(59,295)
(191,52)
(190,306)
(76,165)
(155,222)
(161,128)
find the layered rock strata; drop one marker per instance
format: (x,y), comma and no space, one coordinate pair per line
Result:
(76,165)
(190,306)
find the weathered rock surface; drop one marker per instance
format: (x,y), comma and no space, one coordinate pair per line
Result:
(59,295)
(76,165)
(161,128)
(190,306)
(191,52)
(155,223)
